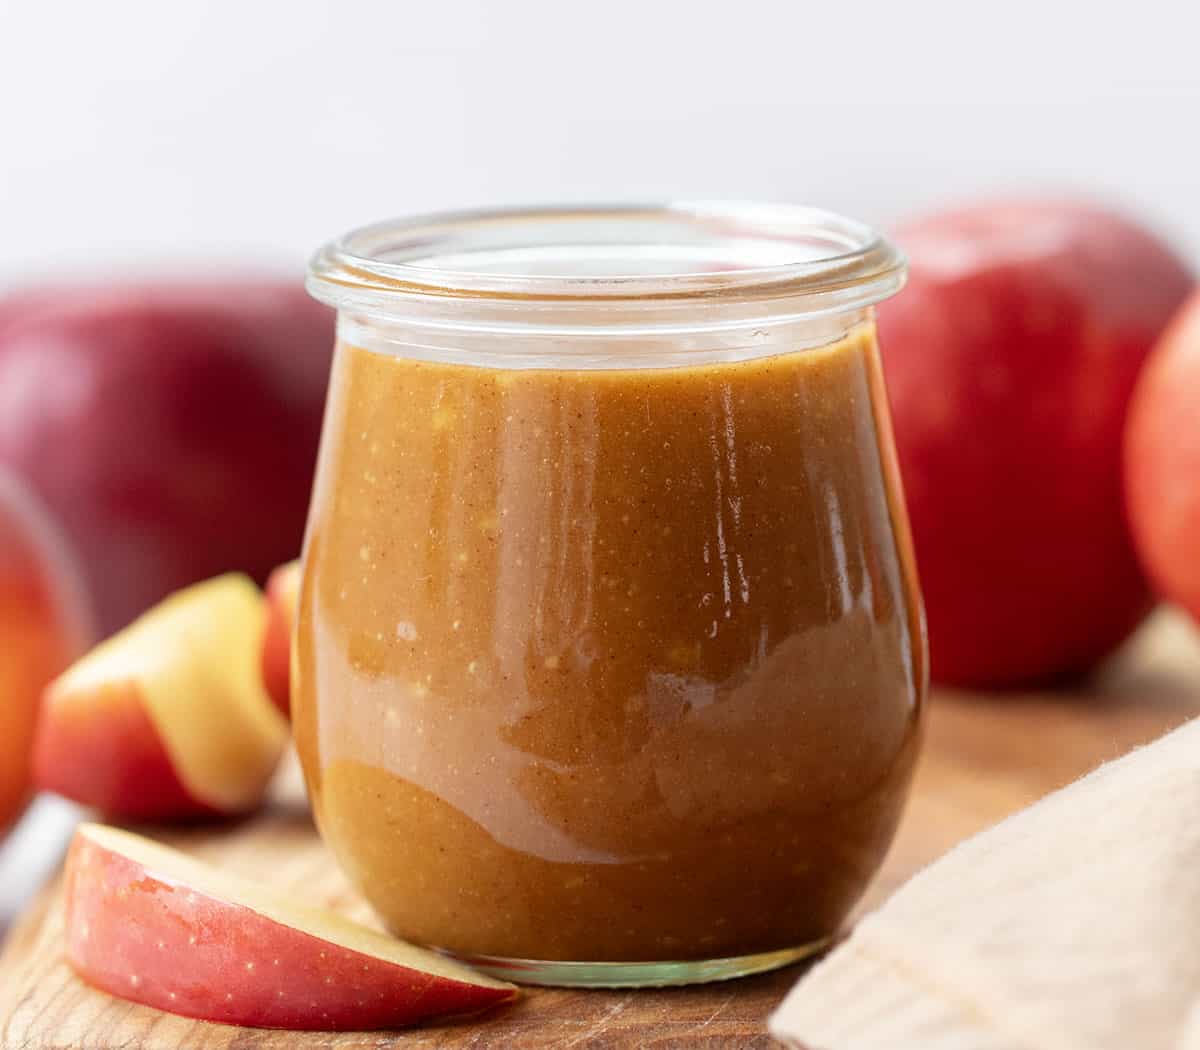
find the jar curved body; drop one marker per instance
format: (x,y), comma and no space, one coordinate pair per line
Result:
(610,665)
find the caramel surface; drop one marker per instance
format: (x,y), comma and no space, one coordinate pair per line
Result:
(609,664)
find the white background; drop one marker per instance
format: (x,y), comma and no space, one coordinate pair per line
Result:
(133,133)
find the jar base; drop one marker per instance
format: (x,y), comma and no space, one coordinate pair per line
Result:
(634,974)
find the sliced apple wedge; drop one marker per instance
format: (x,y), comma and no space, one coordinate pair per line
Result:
(147,923)
(283,589)
(169,718)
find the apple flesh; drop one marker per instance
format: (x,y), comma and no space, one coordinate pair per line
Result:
(171,428)
(1162,462)
(167,719)
(44,625)
(149,924)
(283,589)
(1010,360)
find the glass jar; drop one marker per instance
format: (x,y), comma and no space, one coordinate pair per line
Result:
(610,656)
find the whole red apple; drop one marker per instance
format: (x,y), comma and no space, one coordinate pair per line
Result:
(44,625)
(1162,461)
(172,428)
(1010,360)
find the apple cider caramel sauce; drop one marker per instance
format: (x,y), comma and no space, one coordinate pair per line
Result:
(610,655)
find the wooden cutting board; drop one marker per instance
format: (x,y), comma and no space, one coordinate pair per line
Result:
(984,758)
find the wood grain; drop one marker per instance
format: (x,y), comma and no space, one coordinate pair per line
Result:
(984,757)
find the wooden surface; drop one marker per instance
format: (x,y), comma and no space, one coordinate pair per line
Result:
(984,758)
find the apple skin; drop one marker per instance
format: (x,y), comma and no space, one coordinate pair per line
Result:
(283,588)
(144,935)
(1162,462)
(172,428)
(44,624)
(1010,360)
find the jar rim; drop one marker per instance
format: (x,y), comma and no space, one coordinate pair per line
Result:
(701,252)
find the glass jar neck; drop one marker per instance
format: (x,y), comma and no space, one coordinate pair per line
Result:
(674,269)
(591,347)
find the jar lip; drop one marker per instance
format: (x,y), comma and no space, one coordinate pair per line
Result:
(698,251)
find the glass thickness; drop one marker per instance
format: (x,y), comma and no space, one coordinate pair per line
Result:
(609,675)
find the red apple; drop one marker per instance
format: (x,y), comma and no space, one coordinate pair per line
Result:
(283,588)
(1010,360)
(1162,461)
(168,718)
(44,625)
(172,428)
(147,923)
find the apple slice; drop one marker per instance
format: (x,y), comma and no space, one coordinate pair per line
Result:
(168,718)
(283,588)
(150,924)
